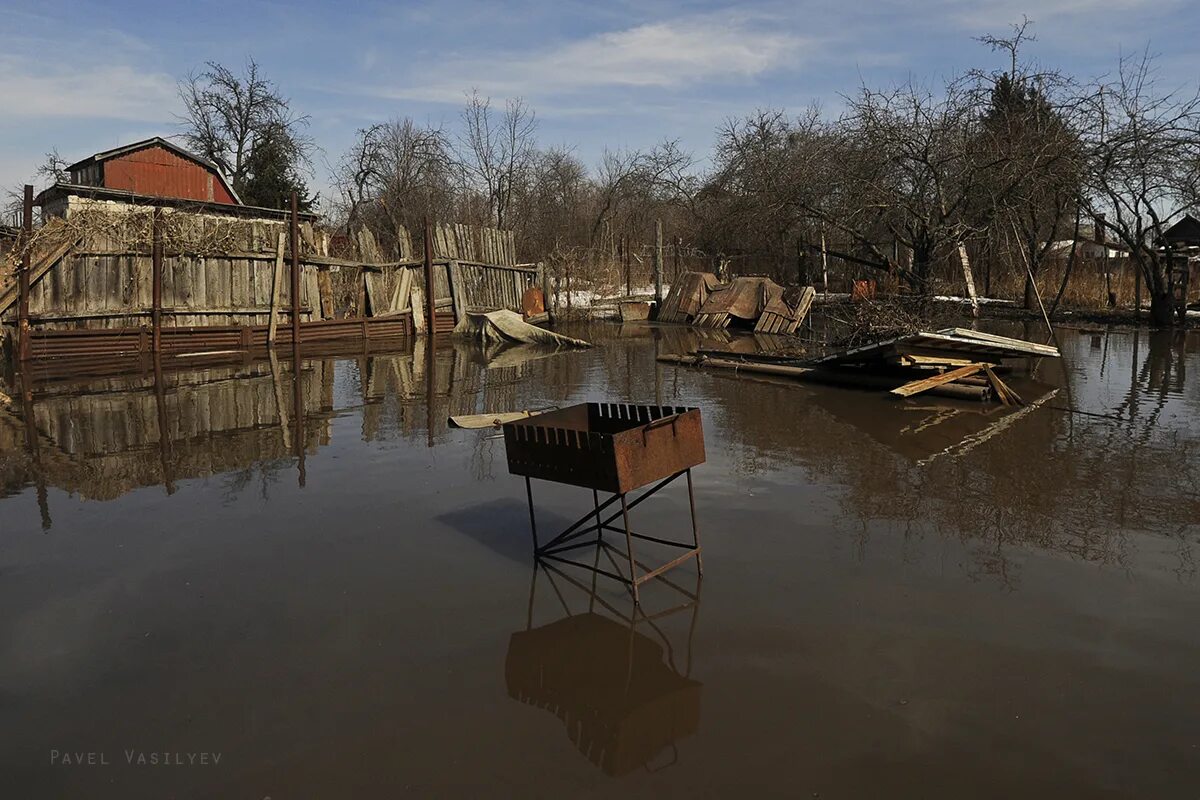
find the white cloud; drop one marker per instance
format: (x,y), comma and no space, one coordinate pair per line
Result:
(665,54)
(105,91)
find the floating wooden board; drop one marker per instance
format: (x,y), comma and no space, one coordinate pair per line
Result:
(476,421)
(925,384)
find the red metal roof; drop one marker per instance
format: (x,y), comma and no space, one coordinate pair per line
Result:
(159,168)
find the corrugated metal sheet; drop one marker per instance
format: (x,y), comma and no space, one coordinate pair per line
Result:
(158,172)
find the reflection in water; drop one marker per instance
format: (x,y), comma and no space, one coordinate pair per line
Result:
(613,678)
(100,438)
(1111,452)
(854,642)
(1107,446)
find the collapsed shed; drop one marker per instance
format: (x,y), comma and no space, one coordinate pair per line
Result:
(757,303)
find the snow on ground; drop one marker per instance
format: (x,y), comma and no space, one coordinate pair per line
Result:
(589,298)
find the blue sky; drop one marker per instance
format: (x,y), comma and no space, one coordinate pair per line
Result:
(85,76)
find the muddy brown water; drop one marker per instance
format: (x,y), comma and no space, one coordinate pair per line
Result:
(901,599)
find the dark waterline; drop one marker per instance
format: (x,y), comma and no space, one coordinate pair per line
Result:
(912,599)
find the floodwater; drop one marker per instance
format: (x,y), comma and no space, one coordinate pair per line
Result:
(900,599)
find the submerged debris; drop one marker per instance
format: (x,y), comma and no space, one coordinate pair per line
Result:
(508,326)
(954,362)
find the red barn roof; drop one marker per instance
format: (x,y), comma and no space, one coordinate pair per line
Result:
(156,168)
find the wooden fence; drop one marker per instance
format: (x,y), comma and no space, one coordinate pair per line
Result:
(92,292)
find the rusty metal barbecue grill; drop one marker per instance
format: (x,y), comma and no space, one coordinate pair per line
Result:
(616,448)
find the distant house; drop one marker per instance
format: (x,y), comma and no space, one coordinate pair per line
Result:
(152,172)
(1184,235)
(1088,246)
(151,168)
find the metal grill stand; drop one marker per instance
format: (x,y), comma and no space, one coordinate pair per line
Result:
(616,449)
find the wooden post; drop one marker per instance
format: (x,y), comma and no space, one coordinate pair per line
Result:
(824,263)
(23,331)
(276,290)
(295,243)
(658,262)
(675,269)
(543,282)
(430,300)
(628,264)
(969,279)
(156,266)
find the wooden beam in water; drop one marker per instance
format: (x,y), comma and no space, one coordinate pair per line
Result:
(925,384)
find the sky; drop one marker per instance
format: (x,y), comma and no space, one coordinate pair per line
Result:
(87,76)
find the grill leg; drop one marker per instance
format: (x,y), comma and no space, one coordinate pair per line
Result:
(599,524)
(532,522)
(695,532)
(629,550)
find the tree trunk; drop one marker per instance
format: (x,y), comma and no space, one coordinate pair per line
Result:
(1030,293)
(922,270)
(1162,311)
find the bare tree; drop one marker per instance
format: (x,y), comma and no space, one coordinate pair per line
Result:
(394,174)
(358,173)
(495,153)
(1142,147)
(1030,132)
(53,168)
(911,165)
(226,116)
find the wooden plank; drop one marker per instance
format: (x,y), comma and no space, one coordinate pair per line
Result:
(375,293)
(325,284)
(112,280)
(128,296)
(1003,341)
(276,287)
(312,293)
(456,292)
(40,267)
(418,307)
(925,384)
(199,271)
(490,420)
(1006,394)
(403,290)
(185,270)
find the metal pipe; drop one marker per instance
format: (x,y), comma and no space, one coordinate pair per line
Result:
(532,520)
(658,263)
(633,579)
(695,530)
